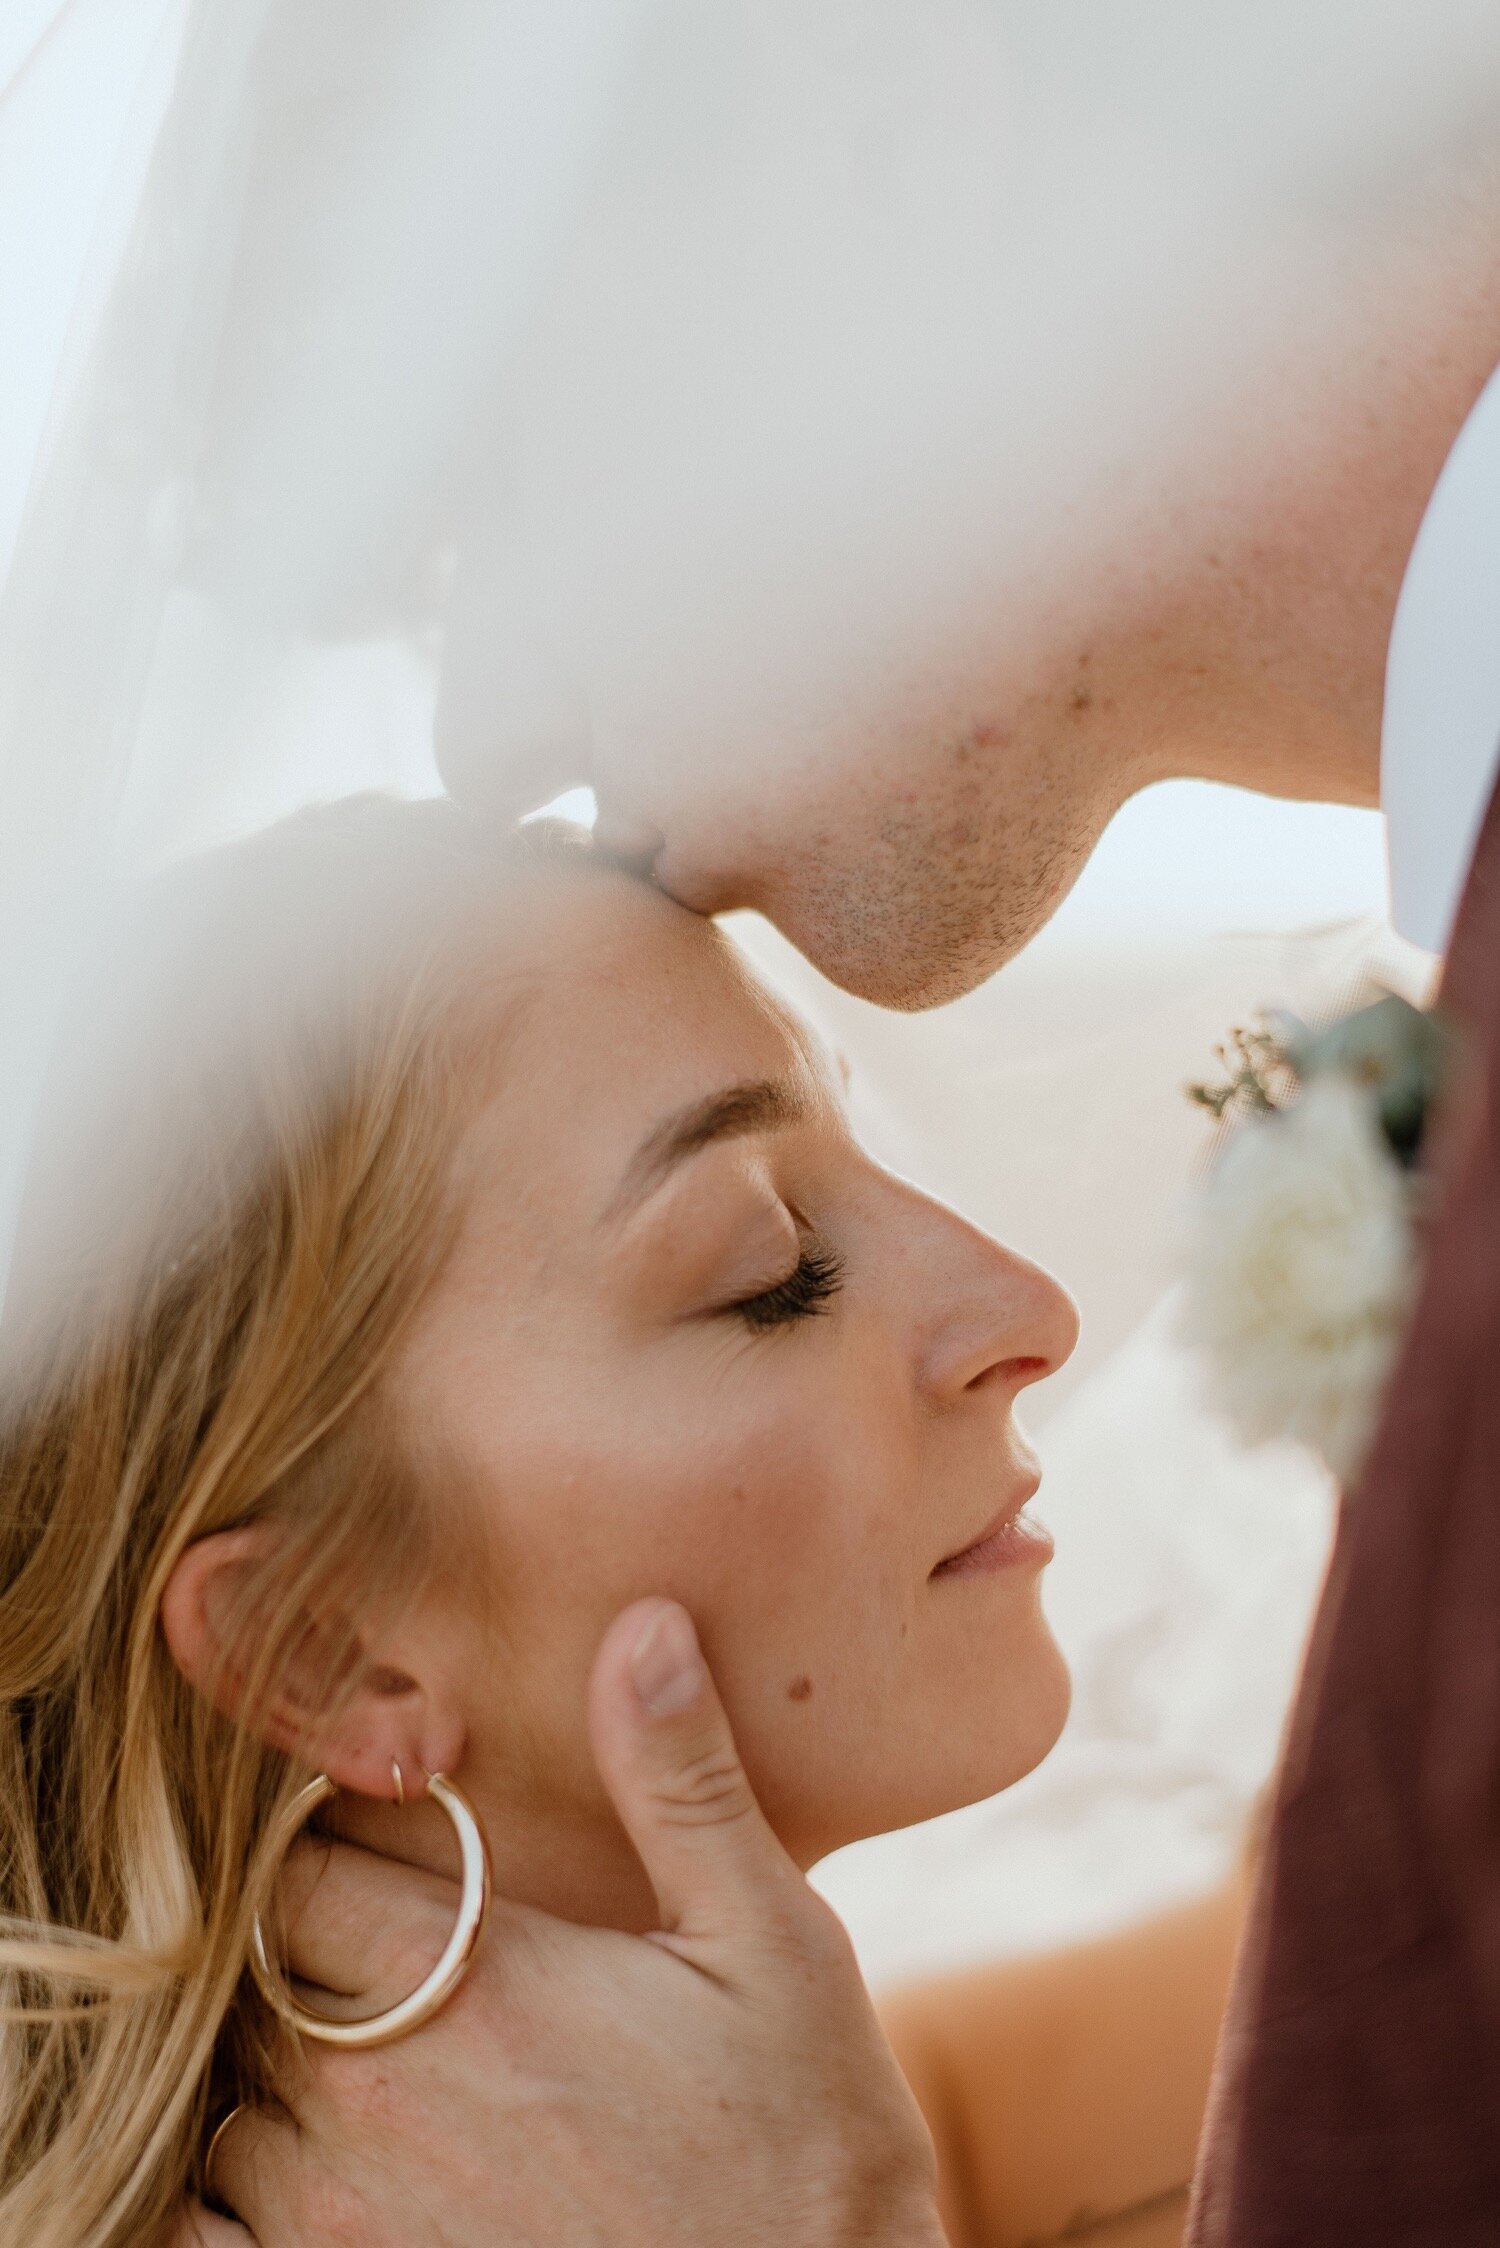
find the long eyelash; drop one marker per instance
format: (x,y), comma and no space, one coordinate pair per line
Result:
(816,1278)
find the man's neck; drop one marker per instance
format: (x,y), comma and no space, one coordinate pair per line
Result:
(1285,622)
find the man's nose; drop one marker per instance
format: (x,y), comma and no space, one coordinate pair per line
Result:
(996,1318)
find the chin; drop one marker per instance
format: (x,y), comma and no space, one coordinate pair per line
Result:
(978,1752)
(1014,1731)
(887,958)
(1047,1711)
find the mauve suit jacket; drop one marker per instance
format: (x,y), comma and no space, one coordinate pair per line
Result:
(1357,2097)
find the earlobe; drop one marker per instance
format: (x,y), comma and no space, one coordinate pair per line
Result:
(382,1720)
(385,1738)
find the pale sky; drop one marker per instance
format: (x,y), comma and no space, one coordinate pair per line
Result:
(1189,856)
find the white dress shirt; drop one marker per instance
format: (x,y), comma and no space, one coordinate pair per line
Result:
(1440,744)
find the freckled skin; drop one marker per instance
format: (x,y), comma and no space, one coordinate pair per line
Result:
(612,1427)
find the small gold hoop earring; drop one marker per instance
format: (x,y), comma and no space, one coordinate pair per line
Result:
(436,1987)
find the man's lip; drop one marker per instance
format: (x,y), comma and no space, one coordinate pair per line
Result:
(996,1523)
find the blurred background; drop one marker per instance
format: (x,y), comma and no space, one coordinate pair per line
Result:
(1048,1105)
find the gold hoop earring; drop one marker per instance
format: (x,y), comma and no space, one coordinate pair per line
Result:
(436,1987)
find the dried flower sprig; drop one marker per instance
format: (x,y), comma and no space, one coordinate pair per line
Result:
(1257,1078)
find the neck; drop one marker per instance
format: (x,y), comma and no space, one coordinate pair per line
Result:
(1278,588)
(582,1868)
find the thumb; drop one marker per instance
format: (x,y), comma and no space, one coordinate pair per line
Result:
(665,1753)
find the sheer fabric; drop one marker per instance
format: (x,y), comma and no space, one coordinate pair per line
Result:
(461,394)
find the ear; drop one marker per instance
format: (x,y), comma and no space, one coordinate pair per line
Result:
(387,1713)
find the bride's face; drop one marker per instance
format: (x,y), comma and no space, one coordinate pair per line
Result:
(693,1341)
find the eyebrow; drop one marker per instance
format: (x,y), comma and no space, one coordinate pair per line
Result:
(765,1105)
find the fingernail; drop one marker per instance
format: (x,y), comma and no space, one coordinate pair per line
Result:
(665,1663)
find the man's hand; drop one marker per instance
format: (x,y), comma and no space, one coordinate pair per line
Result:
(724,2081)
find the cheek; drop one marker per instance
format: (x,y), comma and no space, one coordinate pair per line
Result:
(750,1511)
(787,1506)
(783,1519)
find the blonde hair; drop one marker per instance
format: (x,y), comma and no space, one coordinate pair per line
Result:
(237,1381)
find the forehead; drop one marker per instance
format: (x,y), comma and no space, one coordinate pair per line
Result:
(613,1008)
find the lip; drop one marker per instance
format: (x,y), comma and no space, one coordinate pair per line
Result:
(1012,1539)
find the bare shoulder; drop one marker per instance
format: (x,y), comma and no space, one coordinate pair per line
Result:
(1065,2092)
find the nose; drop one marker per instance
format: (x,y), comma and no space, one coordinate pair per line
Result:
(991,1316)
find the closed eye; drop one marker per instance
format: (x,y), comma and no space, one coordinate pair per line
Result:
(807,1289)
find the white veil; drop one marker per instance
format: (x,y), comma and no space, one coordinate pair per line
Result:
(620,325)
(472,386)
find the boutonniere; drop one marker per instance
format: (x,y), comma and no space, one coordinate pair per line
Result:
(1304,1251)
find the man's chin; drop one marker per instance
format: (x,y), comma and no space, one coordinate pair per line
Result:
(901,972)
(896,951)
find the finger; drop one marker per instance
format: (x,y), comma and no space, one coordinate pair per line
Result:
(362,1925)
(198,2227)
(666,1754)
(367,1929)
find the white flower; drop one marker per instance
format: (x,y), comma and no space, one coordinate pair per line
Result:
(1302,1273)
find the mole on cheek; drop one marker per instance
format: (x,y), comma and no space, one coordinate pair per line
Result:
(800,1689)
